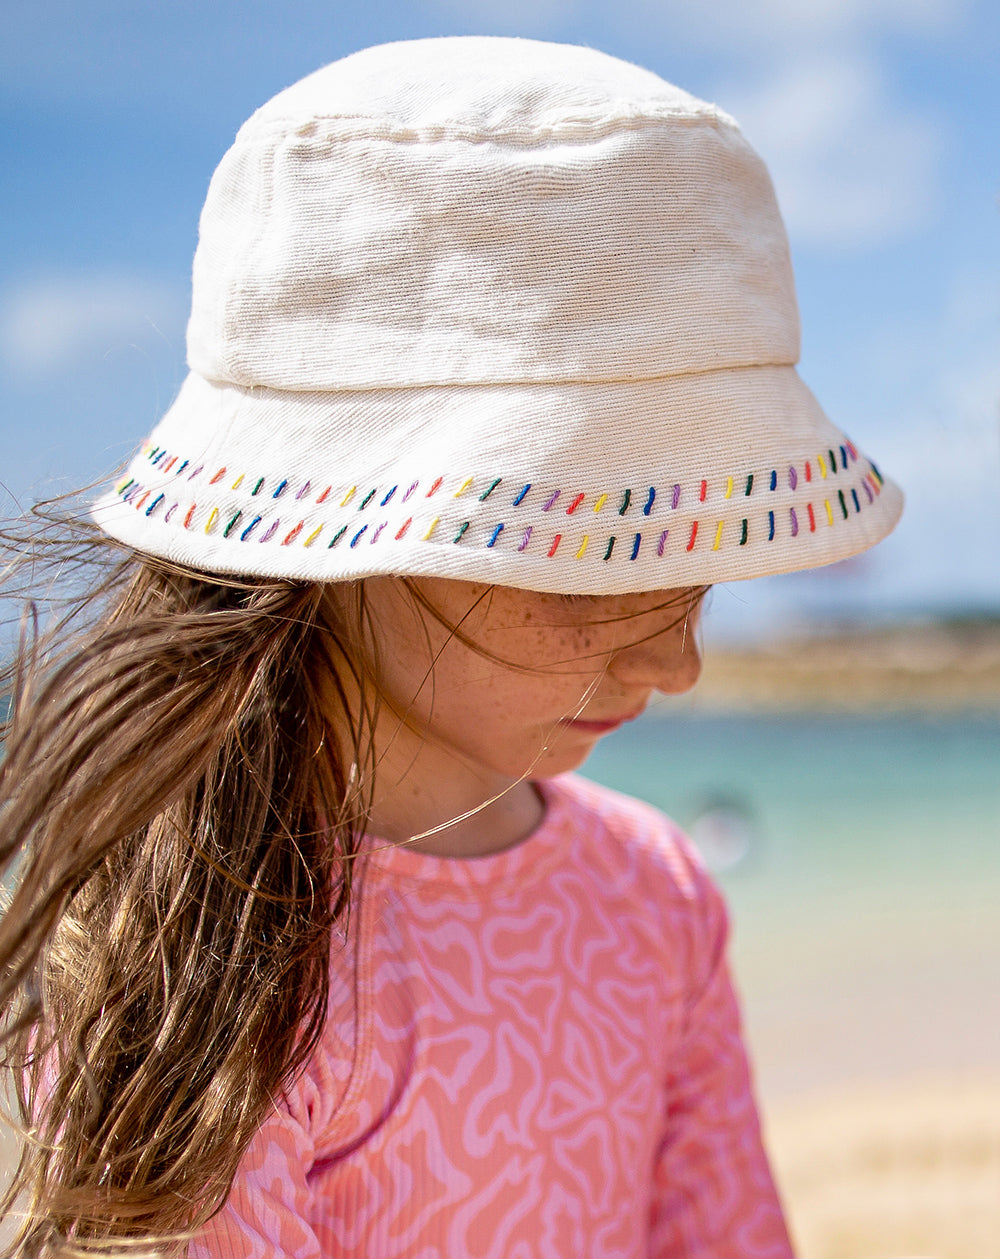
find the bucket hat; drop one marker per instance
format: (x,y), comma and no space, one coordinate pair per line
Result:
(499,310)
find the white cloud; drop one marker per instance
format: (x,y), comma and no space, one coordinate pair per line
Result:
(851,168)
(54,324)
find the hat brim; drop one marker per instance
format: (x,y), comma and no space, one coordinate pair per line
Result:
(576,488)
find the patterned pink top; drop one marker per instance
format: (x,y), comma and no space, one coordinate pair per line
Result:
(535,1053)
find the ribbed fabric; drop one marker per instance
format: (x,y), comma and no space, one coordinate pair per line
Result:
(535,1053)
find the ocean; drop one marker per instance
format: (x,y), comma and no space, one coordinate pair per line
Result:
(860,856)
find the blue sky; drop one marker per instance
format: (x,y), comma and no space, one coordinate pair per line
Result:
(879,119)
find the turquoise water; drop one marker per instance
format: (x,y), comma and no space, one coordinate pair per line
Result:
(890,811)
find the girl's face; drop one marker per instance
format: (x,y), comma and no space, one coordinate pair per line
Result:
(524,684)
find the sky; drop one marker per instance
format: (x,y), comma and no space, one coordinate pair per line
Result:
(879,120)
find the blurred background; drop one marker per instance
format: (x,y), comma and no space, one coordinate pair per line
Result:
(840,763)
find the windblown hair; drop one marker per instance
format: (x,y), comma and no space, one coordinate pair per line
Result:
(178,807)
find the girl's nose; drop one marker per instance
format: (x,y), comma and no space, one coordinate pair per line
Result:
(669,662)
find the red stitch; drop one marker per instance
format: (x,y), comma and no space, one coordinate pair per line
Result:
(703,492)
(406,524)
(293,533)
(694,534)
(575,504)
(322,497)
(812,516)
(190,515)
(809,471)
(141,500)
(555,542)
(436,486)
(218,476)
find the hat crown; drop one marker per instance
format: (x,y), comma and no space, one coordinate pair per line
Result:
(489,84)
(485,211)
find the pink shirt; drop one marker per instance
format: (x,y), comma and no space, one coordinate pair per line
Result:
(531,1054)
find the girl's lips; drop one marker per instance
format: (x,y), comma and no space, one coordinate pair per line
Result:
(599,727)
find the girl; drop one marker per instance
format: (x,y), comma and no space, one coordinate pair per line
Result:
(314,951)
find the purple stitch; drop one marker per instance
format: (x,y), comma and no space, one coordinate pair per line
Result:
(374,537)
(200,468)
(868,490)
(304,491)
(552,498)
(410,490)
(662,542)
(793,478)
(676,498)
(272,530)
(170,512)
(527,536)
(795,522)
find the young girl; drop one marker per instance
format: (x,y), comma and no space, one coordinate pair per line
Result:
(314,950)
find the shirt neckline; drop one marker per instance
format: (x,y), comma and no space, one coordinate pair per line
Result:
(531,857)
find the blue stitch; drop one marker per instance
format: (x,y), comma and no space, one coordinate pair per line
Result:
(280,490)
(522,494)
(635,546)
(250,528)
(496,534)
(649,501)
(354,540)
(389,495)
(154,504)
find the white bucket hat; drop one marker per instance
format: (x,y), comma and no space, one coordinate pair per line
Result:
(498,310)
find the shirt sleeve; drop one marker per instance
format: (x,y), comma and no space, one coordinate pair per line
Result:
(713,1194)
(270,1205)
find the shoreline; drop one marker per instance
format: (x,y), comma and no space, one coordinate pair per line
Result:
(933,667)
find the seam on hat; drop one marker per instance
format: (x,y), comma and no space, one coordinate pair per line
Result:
(583,128)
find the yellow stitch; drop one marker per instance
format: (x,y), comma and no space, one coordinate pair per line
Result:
(718,537)
(238,482)
(729,486)
(121,485)
(461,490)
(583,546)
(600,502)
(434,524)
(829,513)
(822,466)
(313,536)
(348,496)
(212,519)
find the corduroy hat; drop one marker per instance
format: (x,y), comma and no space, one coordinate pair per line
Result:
(499,310)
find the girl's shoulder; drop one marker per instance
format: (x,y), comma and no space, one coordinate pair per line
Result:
(620,834)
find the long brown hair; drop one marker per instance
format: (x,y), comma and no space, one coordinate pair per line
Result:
(178,799)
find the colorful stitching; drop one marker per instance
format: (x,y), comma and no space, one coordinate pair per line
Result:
(526,539)
(555,543)
(485,495)
(694,534)
(635,546)
(357,537)
(272,529)
(611,547)
(250,528)
(292,534)
(280,490)
(575,504)
(461,531)
(626,499)
(517,501)
(493,537)
(583,546)
(662,542)
(718,537)
(649,501)
(551,499)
